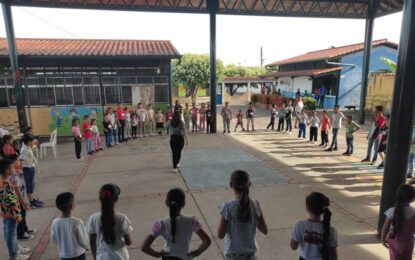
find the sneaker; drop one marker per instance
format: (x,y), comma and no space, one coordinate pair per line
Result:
(178,165)
(25,237)
(373,162)
(174,170)
(366,160)
(39,201)
(31,231)
(35,205)
(22,250)
(81,159)
(346,153)
(20,257)
(289,133)
(381,165)
(329,150)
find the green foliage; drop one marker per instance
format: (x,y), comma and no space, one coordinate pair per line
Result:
(233,70)
(193,73)
(309,103)
(389,62)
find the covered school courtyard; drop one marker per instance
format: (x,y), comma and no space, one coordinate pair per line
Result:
(283,169)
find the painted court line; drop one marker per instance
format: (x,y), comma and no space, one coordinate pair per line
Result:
(41,246)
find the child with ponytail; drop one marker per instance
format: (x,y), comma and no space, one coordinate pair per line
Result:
(315,236)
(177,230)
(109,231)
(399,228)
(239,220)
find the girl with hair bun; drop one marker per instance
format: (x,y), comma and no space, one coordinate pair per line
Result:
(109,231)
(399,228)
(240,218)
(315,236)
(177,230)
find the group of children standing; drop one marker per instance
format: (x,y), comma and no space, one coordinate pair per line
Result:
(200,118)
(17,188)
(311,120)
(108,233)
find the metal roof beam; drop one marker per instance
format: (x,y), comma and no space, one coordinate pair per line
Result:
(287,8)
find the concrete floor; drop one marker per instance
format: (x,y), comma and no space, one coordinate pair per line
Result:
(284,170)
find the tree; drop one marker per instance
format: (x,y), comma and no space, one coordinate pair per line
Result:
(389,62)
(233,70)
(192,72)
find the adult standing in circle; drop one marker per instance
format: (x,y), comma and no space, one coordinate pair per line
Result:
(178,107)
(322,95)
(178,138)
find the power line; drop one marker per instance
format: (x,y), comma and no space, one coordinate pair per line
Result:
(50,24)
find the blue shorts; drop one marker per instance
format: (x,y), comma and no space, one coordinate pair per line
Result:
(29,179)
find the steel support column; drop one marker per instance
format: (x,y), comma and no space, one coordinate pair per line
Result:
(213,6)
(170,84)
(17,78)
(370,20)
(101,90)
(403,106)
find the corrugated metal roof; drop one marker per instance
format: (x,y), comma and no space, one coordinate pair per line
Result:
(298,73)
(288,8)
(91,48)
(332,52)
(244,79)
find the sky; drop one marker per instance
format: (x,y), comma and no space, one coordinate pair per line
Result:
(239,38)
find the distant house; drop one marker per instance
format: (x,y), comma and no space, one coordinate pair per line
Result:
(238,90)
(339,69)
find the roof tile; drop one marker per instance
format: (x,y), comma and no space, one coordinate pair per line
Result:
(103,48)
(331,52)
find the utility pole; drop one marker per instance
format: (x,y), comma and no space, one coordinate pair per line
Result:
(261,57)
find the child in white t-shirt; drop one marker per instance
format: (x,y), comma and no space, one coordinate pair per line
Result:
(96,138)
(68,232)
(109,231)
(315,236)
(177,231)
(240,218)
(142,118)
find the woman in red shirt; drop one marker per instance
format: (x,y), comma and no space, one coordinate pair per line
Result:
(325,126)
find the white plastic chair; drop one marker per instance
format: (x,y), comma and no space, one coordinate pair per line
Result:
(52,144)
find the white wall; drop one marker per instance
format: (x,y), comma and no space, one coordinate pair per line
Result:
(302,83)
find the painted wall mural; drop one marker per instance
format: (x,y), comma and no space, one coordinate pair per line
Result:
(61,117)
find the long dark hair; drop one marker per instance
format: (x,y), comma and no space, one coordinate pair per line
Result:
(177,118)
(317,203)
(108,195)
(240,183)
(175,201)
(404,195)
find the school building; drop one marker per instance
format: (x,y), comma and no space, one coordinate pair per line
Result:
(64,79)
(339,69)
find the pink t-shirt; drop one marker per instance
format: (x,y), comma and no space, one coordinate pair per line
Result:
(8,150)
(75,131)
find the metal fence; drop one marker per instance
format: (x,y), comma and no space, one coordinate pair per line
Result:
(44,90)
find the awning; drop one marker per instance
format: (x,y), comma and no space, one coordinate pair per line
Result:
(299,73)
